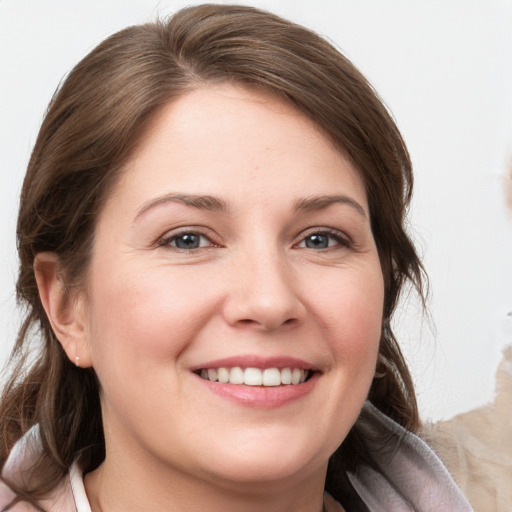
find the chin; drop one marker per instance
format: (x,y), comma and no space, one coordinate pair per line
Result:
(274,462)
(262,472)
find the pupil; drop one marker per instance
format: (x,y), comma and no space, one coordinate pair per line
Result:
(188,241)
(317,241)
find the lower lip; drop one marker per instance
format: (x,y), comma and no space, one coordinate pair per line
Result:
(265,397)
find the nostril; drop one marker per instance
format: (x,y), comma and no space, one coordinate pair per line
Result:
(267,324)
(247,321)
(250,308)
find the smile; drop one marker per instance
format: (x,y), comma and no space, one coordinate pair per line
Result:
(268,377)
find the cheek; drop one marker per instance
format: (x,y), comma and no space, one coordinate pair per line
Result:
(152,315)
(351,315)
(353,305)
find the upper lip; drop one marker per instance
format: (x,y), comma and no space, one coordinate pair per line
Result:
(255,361)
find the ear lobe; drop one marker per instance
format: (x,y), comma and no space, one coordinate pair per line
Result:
(64,310)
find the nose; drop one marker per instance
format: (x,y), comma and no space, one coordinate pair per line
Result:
(263,293)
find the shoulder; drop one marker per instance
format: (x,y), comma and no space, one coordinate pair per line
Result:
(21,457)
(7,496)
(331,505)
(16,471)
(61,499)
(405,473)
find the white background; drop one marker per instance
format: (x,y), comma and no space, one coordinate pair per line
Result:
(445,70)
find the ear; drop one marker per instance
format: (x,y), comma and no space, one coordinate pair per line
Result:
(65,309)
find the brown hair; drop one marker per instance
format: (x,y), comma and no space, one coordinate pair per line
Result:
(91,128)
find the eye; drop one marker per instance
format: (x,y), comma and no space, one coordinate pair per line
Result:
(187,241)
(322,240)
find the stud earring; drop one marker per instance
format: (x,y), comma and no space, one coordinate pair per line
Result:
(77,361)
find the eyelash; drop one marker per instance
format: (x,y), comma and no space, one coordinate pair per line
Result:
(339,239)
(167,241)
(332,234)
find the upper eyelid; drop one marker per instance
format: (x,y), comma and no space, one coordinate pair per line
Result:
(324,231)
(199,230)
(216,240)
(177,232)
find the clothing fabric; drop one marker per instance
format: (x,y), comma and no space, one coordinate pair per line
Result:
(406,475)
(476,446)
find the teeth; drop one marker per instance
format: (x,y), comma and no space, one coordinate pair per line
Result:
(286,376)
(271,377)
(296,376)
(255,376)
(223,375)
(236,376)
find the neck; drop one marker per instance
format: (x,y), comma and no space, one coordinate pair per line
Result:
(114,488)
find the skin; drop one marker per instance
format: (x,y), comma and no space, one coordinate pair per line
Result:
(256,286)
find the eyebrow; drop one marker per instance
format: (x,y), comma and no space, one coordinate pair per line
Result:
(211,203)
(200,202)
(320,202)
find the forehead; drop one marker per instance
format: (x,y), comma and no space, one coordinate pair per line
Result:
(226,138)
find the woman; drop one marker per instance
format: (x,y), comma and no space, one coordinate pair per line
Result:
(212,247)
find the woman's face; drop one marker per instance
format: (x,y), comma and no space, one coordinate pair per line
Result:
(236,246)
